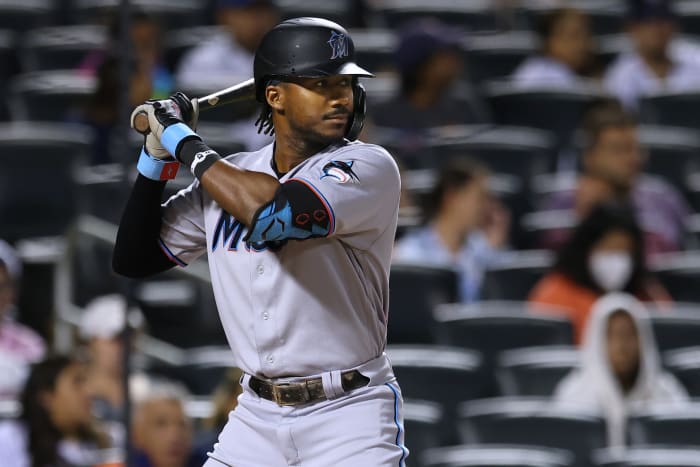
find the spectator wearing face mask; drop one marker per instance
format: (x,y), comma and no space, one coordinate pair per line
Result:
(603,254)
(620,367)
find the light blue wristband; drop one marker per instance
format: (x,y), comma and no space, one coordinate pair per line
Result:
(156,169)
(172,136)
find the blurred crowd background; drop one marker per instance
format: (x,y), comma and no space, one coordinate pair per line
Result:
(544,309)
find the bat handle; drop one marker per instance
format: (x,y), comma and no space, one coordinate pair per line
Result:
(140,123)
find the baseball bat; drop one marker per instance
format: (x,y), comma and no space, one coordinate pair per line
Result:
(238,93)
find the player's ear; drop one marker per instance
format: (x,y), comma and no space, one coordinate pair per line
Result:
(274,94)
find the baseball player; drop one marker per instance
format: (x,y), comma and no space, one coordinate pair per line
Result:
(298,237)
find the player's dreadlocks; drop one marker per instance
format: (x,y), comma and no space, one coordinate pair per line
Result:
(264,121)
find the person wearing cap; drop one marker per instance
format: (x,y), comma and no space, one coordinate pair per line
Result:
(101,328)
(429,62)
(651,66)
(19,344)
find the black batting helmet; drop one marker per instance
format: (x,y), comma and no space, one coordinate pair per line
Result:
(305,48)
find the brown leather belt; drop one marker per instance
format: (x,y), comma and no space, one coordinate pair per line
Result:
(303,391)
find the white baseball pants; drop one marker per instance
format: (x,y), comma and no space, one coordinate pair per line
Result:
(361,428)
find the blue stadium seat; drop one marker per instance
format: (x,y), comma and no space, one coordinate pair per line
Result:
(496,56)
(674,108)
(341,11)
(678,273)
(20,15)
(491,327)
(538,422)
(666,424)
(56,95)
(422,424)
(442,375)
(37,163)
(491,455)
(475,15)
(684,363)
(535,371)
(414,291)
(170,14)
(60,47)
(651,456)
(516,274)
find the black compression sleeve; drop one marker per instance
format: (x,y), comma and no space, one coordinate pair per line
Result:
(136,252)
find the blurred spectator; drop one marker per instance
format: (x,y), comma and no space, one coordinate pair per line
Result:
(566,57)
(620,366)
(19,344)
(650,66)
(149,79)
(429,61)
(56,427)
(102,328)
(228,56)
(162,433)
(225,399)
(612,163)
(604,254)
(465,230)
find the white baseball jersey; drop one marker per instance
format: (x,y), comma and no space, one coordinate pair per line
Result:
(313,305)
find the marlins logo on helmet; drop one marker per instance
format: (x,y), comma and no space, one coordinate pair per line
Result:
(339,45)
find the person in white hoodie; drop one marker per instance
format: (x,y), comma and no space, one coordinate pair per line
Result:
(620,367)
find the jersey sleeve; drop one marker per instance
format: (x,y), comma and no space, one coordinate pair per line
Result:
(182,234)
(355,194)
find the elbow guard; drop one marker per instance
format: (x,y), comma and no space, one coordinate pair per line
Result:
(296,212)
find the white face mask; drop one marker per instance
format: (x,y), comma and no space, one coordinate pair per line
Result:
(610,271)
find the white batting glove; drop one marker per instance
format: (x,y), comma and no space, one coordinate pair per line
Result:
(152,143)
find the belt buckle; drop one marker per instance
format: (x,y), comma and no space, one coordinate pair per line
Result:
(277,394)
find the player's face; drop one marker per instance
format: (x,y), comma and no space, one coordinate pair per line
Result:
(319,109)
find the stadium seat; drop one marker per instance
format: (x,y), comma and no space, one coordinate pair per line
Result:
(414,291)
(421,421)
(558,109)
(606,16)
(517,151)
(170,14)
(513,277)
(491,455)
(341,11)
(678,273)
(60,47)
(675,330)
(442,375)
(666,424)
(493,327)
(56,95)
(475,15)
(684,363)
(673,153)
(102,191)
(688,16)
(21,15)
(374,48)
(8,66)
(534,371)
(674,108)
(647,457)
(201,372)
(537,226)
(496,56)
(37,162)
(531,421)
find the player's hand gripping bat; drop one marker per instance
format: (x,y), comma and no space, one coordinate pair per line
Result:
(238,93)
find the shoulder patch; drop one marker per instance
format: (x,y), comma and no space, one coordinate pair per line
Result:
(340,171)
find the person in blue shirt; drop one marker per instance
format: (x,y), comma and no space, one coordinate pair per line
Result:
(465,227)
